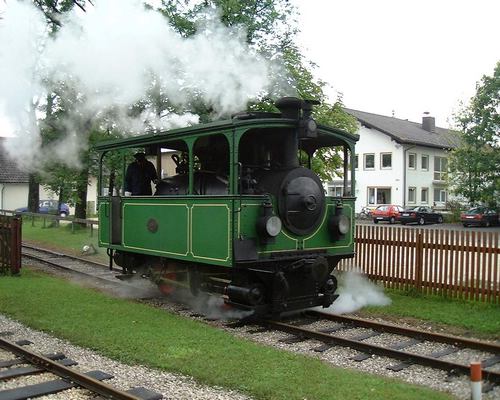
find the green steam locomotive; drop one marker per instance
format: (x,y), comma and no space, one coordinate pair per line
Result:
(240,214)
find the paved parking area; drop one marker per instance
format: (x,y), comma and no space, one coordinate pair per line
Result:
(454,226)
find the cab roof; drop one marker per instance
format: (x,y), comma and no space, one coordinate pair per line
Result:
(155,137)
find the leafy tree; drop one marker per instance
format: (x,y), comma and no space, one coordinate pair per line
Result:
(271,28)
(475,164)
(52,10)
(59,178)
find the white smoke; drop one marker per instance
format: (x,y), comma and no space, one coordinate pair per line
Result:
(355,292)
(22,34)
(212,307)
(112,55)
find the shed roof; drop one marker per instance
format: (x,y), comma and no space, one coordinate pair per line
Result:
(9,172)
(407,132)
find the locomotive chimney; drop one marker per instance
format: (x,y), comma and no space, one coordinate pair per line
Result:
(289,107)
(428,122)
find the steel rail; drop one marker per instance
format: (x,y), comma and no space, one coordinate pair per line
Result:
(410,332)
(60,266)
(57,254)
(55,264)
(49,365)
(381,351)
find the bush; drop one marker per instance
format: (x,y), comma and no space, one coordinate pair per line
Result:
(455,208)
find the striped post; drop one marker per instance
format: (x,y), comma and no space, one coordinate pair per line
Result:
(475,380)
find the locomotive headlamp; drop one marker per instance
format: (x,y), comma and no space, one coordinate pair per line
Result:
(339,225)
(343,224)
(273,226)
(308,128)
(311,125)
(268,225)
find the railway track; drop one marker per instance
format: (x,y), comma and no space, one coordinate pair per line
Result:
(93,273)
(399,346)
(28,363)
(68,262)
(398,342)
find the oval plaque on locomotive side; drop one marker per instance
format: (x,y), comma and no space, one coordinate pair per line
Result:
(152,225)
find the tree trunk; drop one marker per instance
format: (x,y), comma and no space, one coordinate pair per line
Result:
(60,199)
(33,193)
(81,192)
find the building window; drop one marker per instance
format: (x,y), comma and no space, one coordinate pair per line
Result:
(335,191)
(379,195)
(411,194)
(424,195)
(425,162)
(371,196)
(386,160)
(356,161)
(412,160)
(440,167)
(369,161)
(440,195)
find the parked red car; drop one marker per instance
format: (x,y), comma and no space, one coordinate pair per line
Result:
(481,216)
(388,212)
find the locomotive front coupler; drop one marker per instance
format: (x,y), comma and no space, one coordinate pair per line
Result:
(317,267)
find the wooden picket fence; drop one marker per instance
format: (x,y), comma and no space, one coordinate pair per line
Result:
(451,263)
(10,244)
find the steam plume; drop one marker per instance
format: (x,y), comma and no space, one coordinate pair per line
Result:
(356,292)
(111,57)
(212,307)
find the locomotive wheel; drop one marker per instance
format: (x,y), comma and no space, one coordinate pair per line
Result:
(165,287)
(169,277)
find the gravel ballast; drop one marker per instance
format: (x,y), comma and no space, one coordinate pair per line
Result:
(174,386)
(458,386)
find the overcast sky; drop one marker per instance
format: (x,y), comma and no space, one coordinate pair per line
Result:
(402,55)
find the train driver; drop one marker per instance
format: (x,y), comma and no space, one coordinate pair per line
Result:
(139,176)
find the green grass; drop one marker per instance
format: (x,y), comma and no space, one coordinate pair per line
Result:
(62,237)
(466,317)
(136,333)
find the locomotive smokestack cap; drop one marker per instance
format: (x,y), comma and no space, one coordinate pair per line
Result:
(290,107)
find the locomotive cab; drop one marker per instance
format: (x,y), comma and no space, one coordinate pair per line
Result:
(238,210)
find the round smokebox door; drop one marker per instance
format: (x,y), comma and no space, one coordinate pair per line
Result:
(303,203)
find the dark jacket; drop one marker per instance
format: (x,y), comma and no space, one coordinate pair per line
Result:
(139,177)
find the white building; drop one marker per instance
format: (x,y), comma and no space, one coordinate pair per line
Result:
(399,162)
(14,186)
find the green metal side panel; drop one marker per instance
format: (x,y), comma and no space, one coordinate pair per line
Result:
(104,213)
(200,229)
(189,228)
(246,227)
(211,231)
(321,239)
(158,227)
